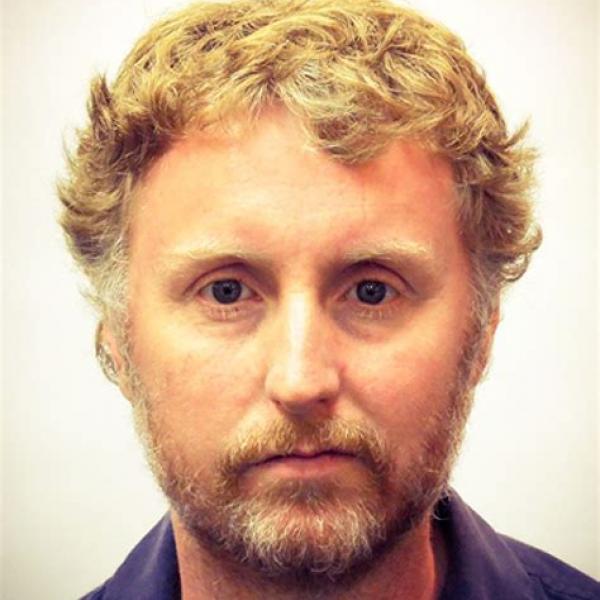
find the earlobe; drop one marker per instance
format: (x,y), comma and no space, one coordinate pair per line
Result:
(110,358)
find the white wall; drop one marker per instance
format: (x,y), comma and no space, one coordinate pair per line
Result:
(76,494)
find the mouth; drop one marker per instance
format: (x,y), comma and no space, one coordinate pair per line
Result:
(306,463)
(307,455)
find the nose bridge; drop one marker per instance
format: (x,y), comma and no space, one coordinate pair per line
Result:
(302,373)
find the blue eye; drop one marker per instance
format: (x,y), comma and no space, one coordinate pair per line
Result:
(226,291)
(371,292)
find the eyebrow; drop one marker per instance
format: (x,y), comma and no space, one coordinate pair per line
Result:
(414,257)
(393,251)
(182,261)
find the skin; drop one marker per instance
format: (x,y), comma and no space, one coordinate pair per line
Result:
(300,231)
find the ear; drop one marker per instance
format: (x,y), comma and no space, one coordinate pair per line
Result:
(481,361)
(110,357)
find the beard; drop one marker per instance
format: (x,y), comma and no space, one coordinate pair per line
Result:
(308,534)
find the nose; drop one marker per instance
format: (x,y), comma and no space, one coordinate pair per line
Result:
(303,377)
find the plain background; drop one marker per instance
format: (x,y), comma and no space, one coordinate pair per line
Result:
(76,494)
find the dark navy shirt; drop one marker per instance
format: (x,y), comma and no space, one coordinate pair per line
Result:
(482,565)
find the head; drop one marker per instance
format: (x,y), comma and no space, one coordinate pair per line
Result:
(336,156)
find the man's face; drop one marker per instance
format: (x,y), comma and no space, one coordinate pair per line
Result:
(299,333)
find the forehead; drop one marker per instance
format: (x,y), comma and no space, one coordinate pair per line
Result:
(264,188)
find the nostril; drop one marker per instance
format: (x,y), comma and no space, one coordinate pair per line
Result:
(298,393)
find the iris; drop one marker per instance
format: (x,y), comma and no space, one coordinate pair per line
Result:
(371,292)
(226,291)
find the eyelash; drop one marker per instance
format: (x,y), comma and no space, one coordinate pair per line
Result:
(376,312)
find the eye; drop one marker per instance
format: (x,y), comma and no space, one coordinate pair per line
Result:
(371,291)
(226,291)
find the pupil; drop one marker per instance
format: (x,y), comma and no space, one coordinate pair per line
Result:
(371,292)
(226,291)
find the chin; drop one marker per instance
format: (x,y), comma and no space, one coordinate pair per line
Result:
(306,535)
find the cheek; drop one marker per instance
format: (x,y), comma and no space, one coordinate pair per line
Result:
(202,387)
(400,386)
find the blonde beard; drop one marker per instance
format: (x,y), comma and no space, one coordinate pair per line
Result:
(299,534)
(309,536)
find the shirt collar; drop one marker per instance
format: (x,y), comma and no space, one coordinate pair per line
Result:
(150,572)
(481,565)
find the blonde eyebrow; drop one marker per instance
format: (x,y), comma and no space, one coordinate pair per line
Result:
(413,257)
(182,260)
(391,248)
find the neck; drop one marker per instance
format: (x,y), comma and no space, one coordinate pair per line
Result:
(414,568)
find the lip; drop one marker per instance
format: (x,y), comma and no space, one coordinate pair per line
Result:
(307,455)
(306,463)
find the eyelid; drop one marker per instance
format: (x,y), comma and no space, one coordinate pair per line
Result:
(221,273)
(357,273)
(224,311)
(262,281)
(351,277)
(373,271)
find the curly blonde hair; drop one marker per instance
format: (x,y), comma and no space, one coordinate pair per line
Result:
(357,74)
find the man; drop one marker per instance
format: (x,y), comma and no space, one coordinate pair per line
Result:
(297,218)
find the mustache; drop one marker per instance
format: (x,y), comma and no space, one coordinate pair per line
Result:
(289,438)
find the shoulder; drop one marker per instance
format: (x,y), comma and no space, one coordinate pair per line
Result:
(556,579)
(149,572)
(486,565)
(97,594)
